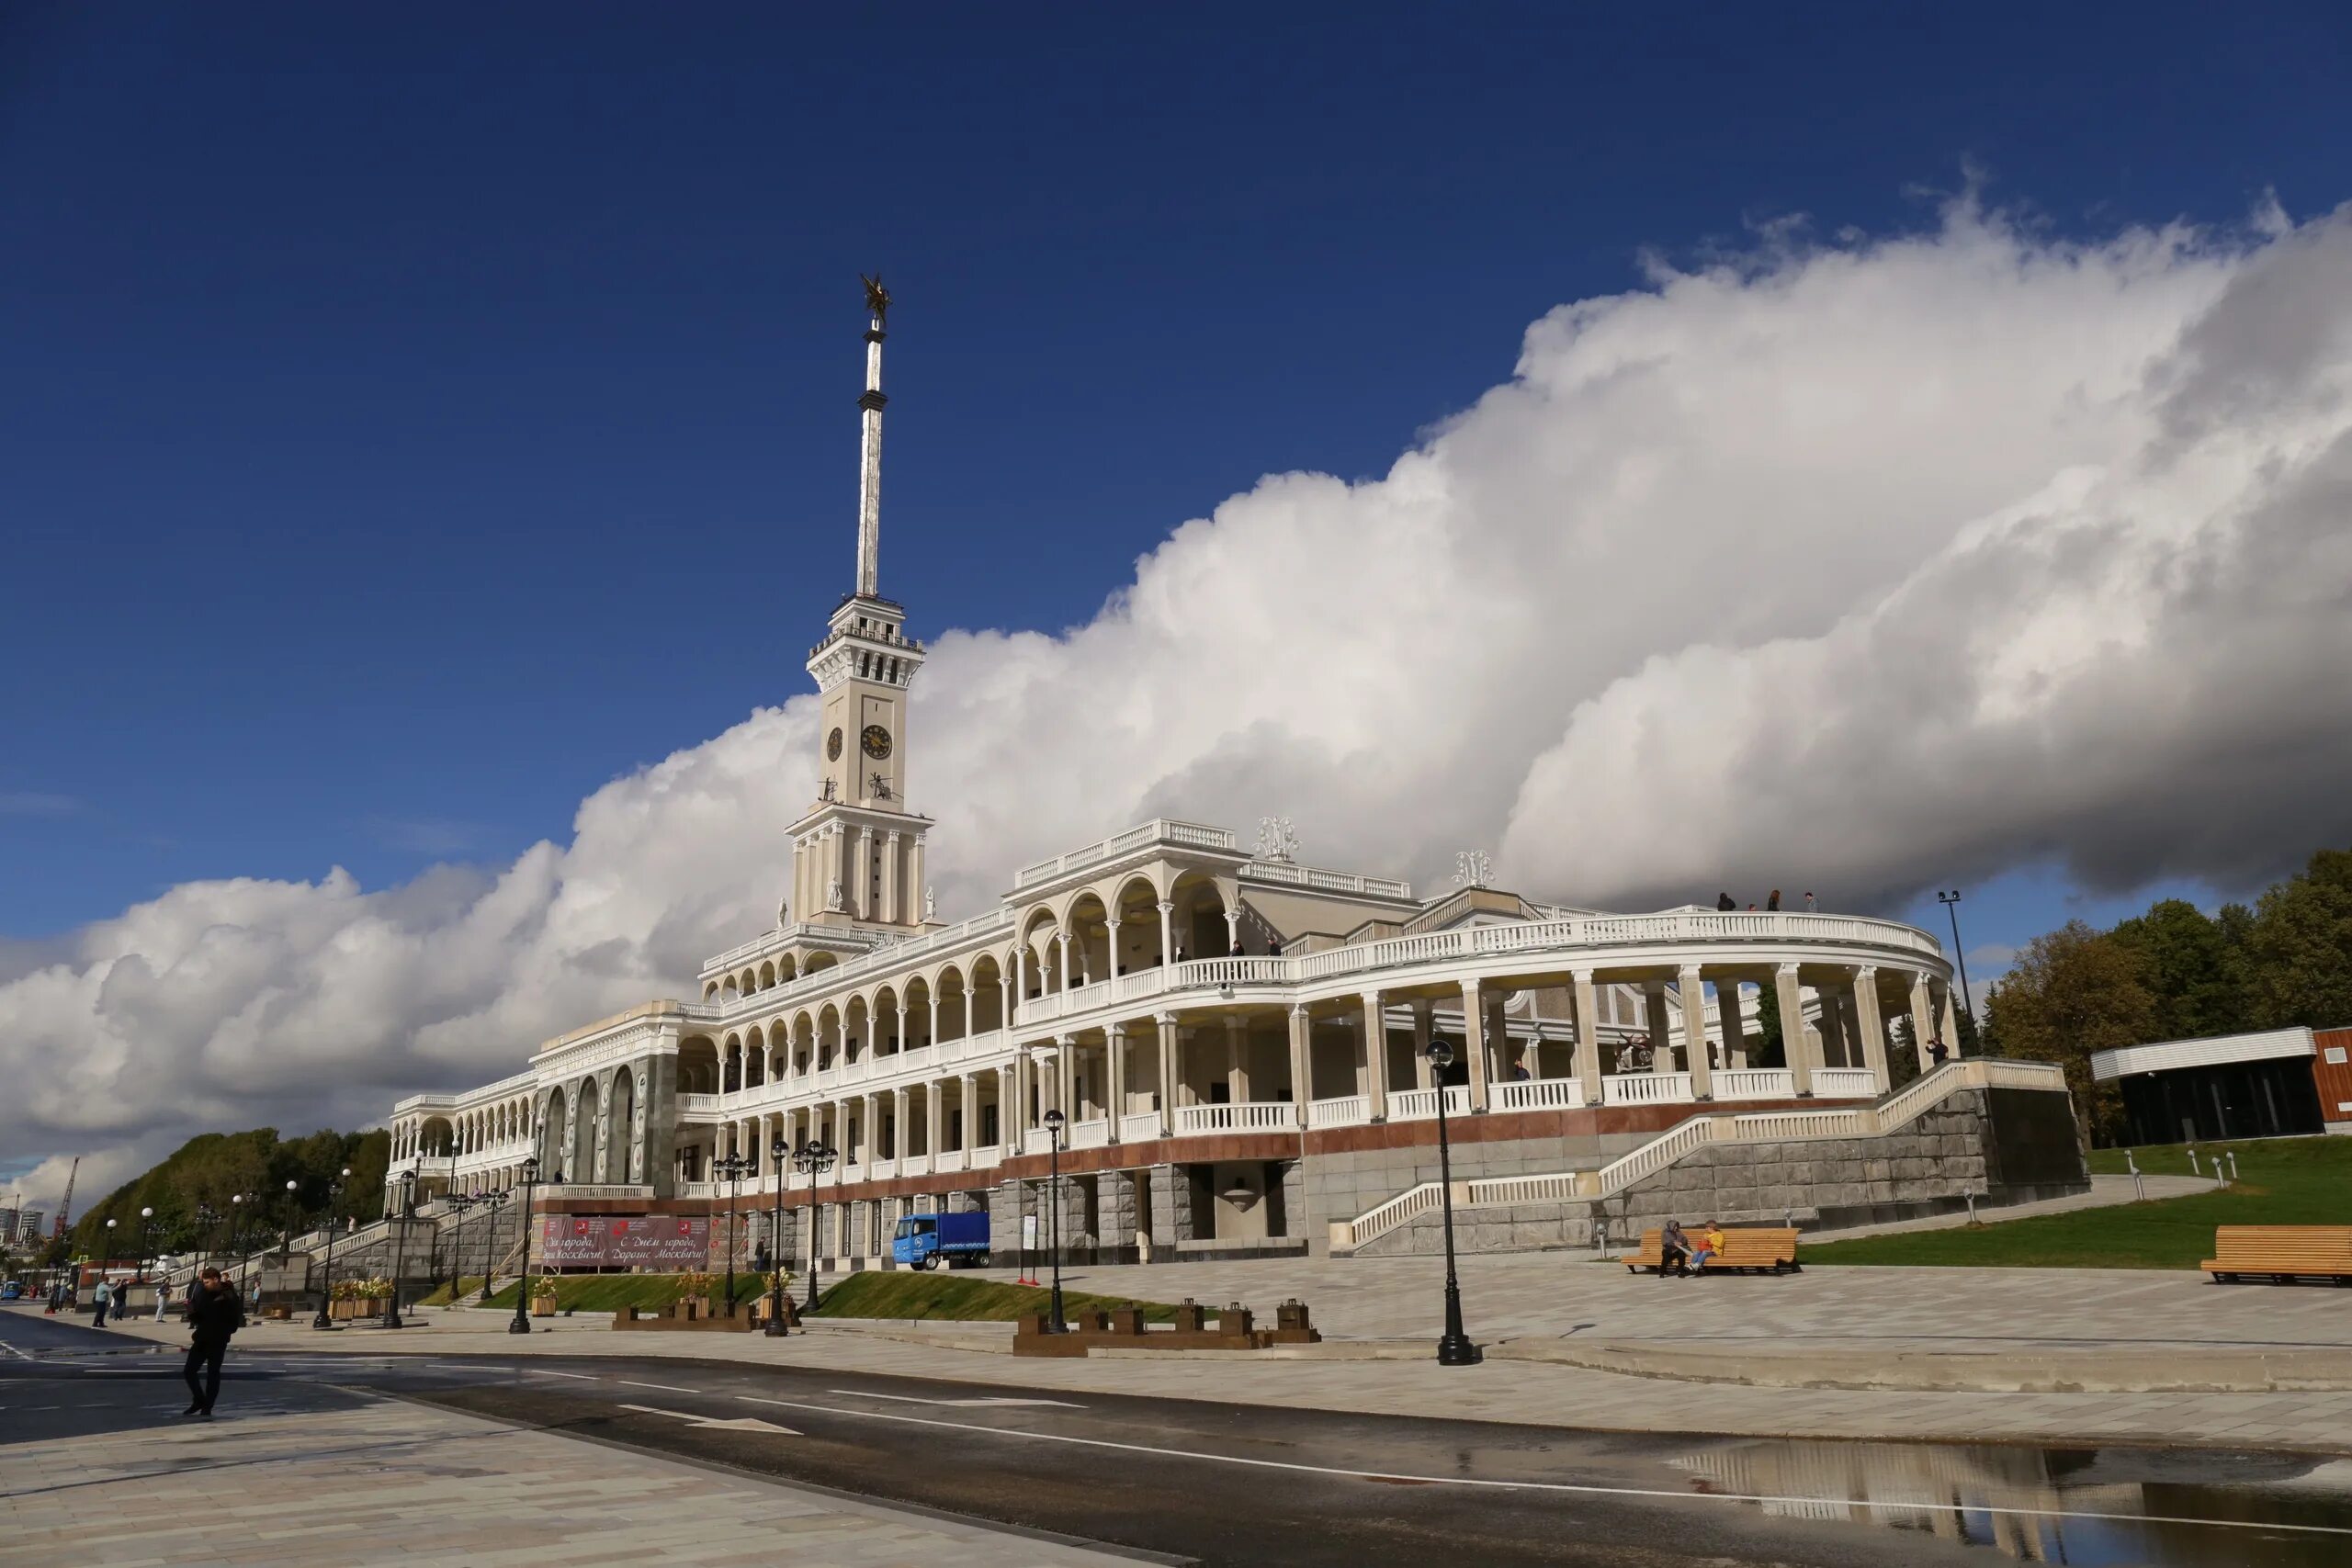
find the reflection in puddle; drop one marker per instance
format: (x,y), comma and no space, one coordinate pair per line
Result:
(2072,1505)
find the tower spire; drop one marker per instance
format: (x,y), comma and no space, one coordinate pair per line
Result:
(869,471)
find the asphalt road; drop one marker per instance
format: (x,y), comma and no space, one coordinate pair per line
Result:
(1220,1483)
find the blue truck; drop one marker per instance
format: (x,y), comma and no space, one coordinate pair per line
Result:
(924,1241)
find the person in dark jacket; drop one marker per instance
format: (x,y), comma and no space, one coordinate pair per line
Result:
(213,1314)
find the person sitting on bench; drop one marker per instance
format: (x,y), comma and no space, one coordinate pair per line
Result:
(1673,1250)
(1711,1245)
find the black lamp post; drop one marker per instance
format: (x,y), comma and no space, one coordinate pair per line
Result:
(1455,1349)
(1951,902)
(146,1221)
(327,1283)
(463,1202)
(522,1324)
(400,1245)
(731,1169)
(236,1224)
(1055,1122)
(210,1222)
(293,1218)
(812,1159)
(780,1160)
(496,1200)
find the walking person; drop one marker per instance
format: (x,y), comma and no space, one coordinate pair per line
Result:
(213,1314)
(162,1299)
(102,1298)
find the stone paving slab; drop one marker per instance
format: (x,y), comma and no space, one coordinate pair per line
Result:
(1503,1389)
(429,1488)
(1514,1295)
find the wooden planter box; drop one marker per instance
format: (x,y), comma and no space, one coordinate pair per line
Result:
(357,1306)
(279,1314)
(542,1307)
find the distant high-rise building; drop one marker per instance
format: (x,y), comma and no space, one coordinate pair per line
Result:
(29,1224)
(8,1222)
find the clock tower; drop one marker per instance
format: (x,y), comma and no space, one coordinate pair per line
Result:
(857,853)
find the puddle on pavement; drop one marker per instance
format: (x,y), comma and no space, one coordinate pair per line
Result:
(2084,1506)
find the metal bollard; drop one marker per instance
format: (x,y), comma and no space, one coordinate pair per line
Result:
(2193,1168)
(2234,1165)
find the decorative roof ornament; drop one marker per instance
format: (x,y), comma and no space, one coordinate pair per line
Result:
(1277,840)
(1472,868)
(783,913)
(929,903)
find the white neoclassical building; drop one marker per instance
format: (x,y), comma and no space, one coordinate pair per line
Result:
(1235,1038)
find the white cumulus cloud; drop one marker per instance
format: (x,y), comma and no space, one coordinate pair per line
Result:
(1848,566)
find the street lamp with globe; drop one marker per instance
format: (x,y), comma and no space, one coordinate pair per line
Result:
(1055,1122)
(1455,1349)
(812,1159)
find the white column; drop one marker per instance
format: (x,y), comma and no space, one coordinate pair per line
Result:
(1735,1022)
(1871,1024)
(1008,1105)
(1587,1036)
(1654,1020)
(1164,1023)
(861,896)
(1795,1047)
(1167,933)
(1923,1019)
(971,1113)
(1110,929)
(1693,989)
(1424,1075)
(1233,931)
(1375,1050)
(1237,1065)
(1062,939)
(1117,1052)
(915,887)
(1473,1044)
(890,877)
(1952,1024)
(898,1141)
(931,995)
(902,1027)
(1833,1022)
(1302,1063)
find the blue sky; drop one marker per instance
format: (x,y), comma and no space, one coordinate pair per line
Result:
(412,415)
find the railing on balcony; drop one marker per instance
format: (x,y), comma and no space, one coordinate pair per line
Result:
(1421,1104)
(1090,1135)
(1844,1083)
(947,1160)
(1539,1094)
(698,1105)
(1755,1083)
(1346,1110)
(1139,1127)
(1247,1116)
(1644,1089)
(1159,830)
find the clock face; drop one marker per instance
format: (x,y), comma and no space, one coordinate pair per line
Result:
(876,741)
(833,746)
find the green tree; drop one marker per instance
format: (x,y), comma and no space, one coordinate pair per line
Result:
(2193,974)
(1766,1047)
(2070,992)
(2298,946)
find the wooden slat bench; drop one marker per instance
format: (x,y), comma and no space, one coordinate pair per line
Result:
(2280,1253)
(1750,1251)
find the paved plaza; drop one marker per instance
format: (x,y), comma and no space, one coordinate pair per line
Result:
(382,1480)
(1528,1307)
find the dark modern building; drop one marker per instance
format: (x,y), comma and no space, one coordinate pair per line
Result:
(2279,1083)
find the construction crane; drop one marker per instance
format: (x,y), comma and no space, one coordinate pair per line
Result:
(65,1205)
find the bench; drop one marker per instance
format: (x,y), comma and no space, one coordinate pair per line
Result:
(2280,1254)
(1752,1251)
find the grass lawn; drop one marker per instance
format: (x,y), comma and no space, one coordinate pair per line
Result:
(905,1293)
(2281,1181)
(610,1292)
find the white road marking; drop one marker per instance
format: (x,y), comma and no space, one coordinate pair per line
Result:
(664,1387)
(731,1424)
(544,1373)
(960,1404)
(1567,1487)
